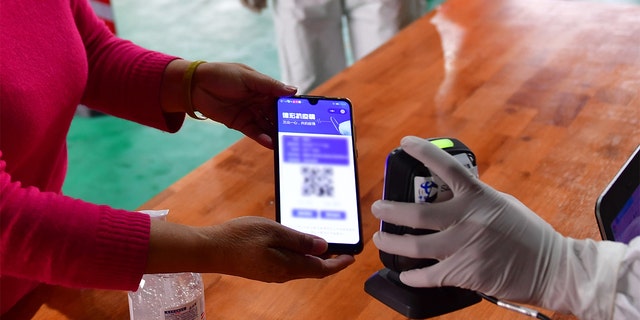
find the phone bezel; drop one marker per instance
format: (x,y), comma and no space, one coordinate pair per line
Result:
(334,248)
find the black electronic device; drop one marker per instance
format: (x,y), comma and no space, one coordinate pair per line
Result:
(618,206)
(408,180)
(316,170)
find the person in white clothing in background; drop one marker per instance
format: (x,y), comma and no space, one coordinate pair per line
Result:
(309,33)
(491,243)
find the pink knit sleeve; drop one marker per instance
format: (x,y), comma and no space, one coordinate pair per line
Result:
(124,78)
(55,239)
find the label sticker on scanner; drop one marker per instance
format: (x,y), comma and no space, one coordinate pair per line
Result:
(433,189)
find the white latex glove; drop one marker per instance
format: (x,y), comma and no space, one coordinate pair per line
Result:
(254,5)
(492,243)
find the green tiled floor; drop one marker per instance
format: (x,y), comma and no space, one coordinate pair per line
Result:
(123,164)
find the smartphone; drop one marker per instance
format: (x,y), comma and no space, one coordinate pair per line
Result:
(316,170)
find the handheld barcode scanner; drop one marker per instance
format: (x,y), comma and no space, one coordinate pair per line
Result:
(408,180)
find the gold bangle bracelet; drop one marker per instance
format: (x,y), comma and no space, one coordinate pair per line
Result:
(186,86)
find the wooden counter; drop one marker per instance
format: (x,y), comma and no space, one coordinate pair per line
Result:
(546,93)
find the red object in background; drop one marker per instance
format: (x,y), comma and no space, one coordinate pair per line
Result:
(104,11)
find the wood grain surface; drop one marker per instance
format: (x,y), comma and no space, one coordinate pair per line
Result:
(546,93)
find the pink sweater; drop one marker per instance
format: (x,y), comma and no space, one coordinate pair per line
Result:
(55,54)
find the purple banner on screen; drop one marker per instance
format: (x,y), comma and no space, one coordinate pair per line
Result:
(326,117)
(315,150)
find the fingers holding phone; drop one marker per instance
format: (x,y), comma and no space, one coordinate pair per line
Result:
(261,249)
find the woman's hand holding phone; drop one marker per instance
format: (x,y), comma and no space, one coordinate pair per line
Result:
(262,249)
(250,247)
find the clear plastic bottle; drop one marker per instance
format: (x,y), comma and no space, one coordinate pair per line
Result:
(168,296)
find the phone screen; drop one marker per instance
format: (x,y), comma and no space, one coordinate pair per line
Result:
(626,224)
(618,206)
(316,174)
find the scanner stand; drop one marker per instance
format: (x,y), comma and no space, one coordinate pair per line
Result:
(417,303)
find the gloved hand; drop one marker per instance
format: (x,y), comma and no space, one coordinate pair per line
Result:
(492,243)
(254,5)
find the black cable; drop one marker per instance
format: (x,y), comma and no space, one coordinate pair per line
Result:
(514,307)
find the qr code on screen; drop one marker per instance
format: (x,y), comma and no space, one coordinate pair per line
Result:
(317,181)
